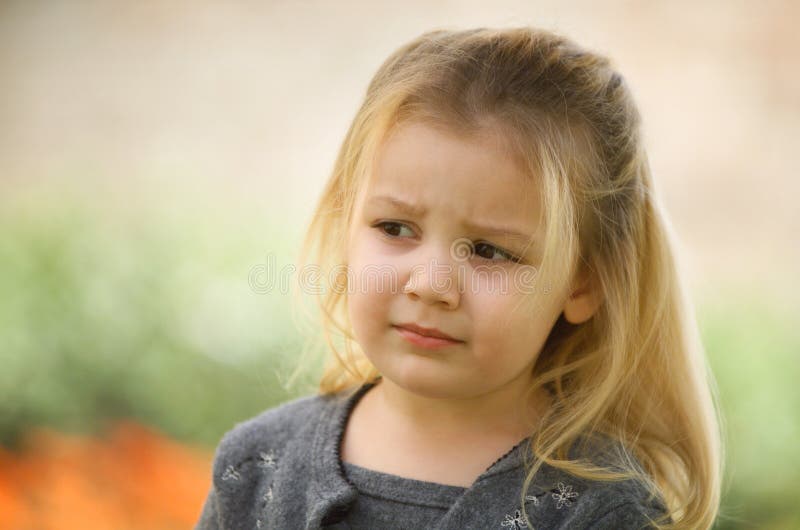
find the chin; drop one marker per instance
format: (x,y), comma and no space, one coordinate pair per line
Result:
(429,385)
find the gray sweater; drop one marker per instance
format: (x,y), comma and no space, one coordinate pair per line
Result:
(282,470)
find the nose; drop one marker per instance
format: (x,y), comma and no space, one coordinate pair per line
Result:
(435,281)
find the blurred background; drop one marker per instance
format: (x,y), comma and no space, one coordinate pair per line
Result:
(154,154)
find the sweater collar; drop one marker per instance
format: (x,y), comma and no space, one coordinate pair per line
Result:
(333,493)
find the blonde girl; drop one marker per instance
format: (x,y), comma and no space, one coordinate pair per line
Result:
(511,344)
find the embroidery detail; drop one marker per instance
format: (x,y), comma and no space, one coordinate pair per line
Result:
(230,474)
(533,499)
(516,522)
(564,495)
(267,460)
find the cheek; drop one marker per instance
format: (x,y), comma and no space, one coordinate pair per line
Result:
(370,285)
(493,323)
(373,270)
(364,251)
(357,308)
(508,327)
(369,321)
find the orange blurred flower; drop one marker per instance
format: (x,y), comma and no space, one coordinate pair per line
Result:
(133,478)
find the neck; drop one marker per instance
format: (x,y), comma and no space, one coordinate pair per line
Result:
(507,412)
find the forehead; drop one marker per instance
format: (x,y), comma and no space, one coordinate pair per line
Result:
(473,177)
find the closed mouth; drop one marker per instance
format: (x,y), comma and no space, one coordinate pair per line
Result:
(427,332)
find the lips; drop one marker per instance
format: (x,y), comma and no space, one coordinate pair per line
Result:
(427,332)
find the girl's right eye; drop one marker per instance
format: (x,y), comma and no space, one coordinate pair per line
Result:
(391,228)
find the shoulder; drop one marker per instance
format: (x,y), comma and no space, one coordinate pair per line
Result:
(254,440)
(279,421)
(631,515)
(573,502)
(253,452)
(624,504)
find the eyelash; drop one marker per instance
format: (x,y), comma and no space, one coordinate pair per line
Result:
(509,256)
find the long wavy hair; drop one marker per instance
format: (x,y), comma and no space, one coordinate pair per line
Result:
(636,371)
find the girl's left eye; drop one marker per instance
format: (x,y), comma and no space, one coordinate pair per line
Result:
(479,247)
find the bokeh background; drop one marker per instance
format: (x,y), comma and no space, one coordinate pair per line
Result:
(152,154)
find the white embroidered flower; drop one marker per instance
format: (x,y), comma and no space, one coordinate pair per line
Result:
(564,495)
(516,522)
(533,499)
(268,495)
(230,474)
(266,460)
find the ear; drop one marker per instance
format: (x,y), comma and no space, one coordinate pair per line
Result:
(583,300)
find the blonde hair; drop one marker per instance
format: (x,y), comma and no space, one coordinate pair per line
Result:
(636,371)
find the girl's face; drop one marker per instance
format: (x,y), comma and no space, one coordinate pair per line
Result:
(432,194)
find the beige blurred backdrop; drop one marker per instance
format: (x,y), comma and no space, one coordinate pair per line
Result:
(129,101)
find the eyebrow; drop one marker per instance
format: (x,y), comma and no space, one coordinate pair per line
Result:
(420,211)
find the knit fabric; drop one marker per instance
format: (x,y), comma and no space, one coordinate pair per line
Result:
(389,501)
(282,470)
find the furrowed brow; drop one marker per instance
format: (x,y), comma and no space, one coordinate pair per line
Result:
(489,230)
(400,204)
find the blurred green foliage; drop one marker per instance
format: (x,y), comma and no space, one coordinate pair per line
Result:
(152,317)
(753,344)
